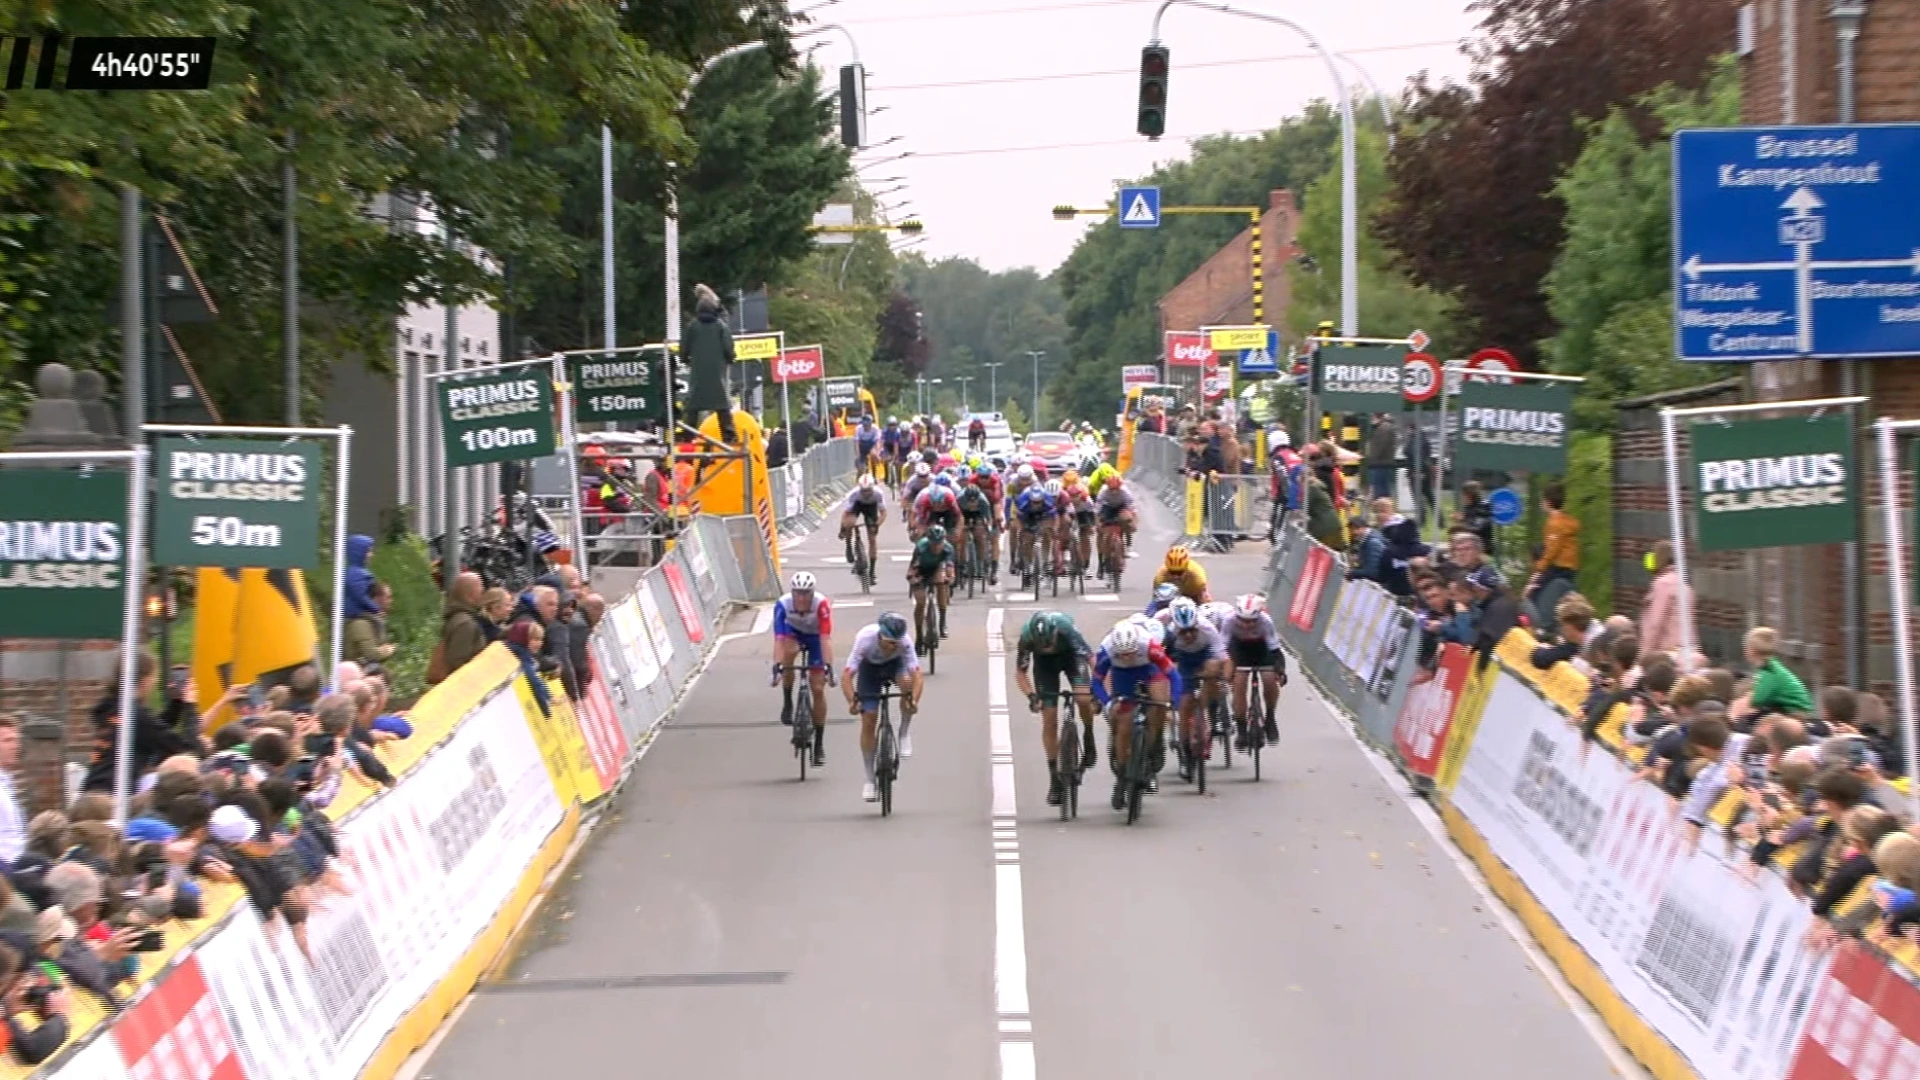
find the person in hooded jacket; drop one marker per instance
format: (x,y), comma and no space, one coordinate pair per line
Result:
(706,347)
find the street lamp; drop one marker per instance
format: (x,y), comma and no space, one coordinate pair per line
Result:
(1386,110)
(1349,188)
(963,380)
(1033,421)
(993,383)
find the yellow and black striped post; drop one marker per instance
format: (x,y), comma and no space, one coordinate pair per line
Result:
(1259,275)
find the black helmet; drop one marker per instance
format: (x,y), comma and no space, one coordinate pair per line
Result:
(893,626)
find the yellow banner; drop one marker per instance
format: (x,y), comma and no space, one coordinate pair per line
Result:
(1466,721)
(765,347)
(1235,338)
(573,746)
(1196,507)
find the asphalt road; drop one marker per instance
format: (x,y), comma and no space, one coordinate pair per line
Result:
(732,922)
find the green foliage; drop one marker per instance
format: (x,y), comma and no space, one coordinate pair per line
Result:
(835,295)
(1016,417)
(976,317)
(1115,276)
(413,625)
(1390,305)
(1610,290)
(1589,483)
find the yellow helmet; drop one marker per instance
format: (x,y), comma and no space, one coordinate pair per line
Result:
(1070,477)
(1177,558)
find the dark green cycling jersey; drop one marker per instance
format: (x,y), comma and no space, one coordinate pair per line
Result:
(1068,643)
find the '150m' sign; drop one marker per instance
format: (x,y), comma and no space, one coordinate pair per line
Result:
(497,418)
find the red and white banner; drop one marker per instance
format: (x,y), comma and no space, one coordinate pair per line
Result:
(1189,348)
(683,602)
(800,364)
(1864,1025)
(177,1033)
(1420,734)
(1313,582)
(600,724)
(1132,375)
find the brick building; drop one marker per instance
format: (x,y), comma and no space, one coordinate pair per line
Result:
(1220,291)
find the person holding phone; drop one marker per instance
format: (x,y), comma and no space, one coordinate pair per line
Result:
(175,730)
(28,990)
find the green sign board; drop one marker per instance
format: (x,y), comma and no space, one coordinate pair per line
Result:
(625,386)
(1359,378)
(237,503)
(505,417)
(62,553)
(843,392)
(1774,483)
(1521,427)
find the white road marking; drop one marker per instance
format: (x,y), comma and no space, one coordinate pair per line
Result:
(763,619)
(852,603)
(1009,904)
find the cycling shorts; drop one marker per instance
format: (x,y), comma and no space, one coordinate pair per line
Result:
(1127,681)
(868,511)
(871,679)
(1189,665)
(1110,515)
(1246,654)
(810,646)
(1083,517)
(1033,520)
(976,516)
(950,517)
(1049,671)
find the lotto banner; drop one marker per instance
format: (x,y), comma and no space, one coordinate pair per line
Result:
(1864,1023)
(1420,734)
(1706,954)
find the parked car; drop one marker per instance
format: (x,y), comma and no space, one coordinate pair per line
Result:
(1054,449)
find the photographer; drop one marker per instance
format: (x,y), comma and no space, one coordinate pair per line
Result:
(29,991)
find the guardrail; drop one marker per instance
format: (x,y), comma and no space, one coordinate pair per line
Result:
(1696,958)
(804,488)
(493,789)
(1216,510)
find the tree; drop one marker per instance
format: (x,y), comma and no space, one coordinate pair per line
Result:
(901,352)
(975,317)
(1473,214)
(1610,289)
(1390,305)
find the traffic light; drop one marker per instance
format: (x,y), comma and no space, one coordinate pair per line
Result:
(1153,91)
(1065,212)
(853,106)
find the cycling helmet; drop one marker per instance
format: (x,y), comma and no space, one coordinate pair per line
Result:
(893,419)
(1165,592)
(1053,488)
(945,480)
(1127,641)
(893,626)
(866,480)
(982,471)
(1217,611)
(1184,613)
(1026,471)
(1070,477)
(1177,558)
(923,469)
(1050,628)
(937,534)
(803,582)
(1154,630)
(1250,606)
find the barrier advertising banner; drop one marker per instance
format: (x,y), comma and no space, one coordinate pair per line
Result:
(1420,734)
(1774,483)
(1359,378)
(62,552)
(600,724)
(237,503)
(1517,428)
(683,602)
(1305,604)
(505,417)
(1865,1022)
(629,627)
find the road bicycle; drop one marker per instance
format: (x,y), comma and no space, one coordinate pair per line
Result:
(1143,758)
(1256,711)
(1113,553)
(1070,761)
(886,751)
(860,555)
(980,557)
(1193,748)
(926,624)
(802,734)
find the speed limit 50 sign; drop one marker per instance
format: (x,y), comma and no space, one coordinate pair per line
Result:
(1420,377)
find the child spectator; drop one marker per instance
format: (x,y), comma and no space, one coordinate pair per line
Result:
(1775,688)
(1574,619)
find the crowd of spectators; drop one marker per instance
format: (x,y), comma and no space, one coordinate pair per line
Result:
(547,628)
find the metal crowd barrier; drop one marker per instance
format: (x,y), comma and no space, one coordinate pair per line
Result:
(804,487)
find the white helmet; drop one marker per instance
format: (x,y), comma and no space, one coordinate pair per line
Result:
(1026,472)
(1217,611)
(866,480)
(1250,606)
(922,469)
(1184,614)
(1154,630)
(1127,640)
(803,582)
(1054,488)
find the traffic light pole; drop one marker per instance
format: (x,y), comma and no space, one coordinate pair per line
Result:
(1349,187)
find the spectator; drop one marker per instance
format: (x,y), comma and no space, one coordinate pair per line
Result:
(338,715)
(1497,610)
(1856,755)
(242,842)
(1400,547)
(358,579)
(525,639)
(1367,553)
(1775,688)
(554,608)
(365,639)
(97,957)
(1464,627)
(303,690)
(1475,513)
(777,448)
(1573,618)
(1559,561)
(154,737)
(13,823)
(463,628)
(1702,775)
(1660,627)
(706,348)
(1383,455)
(1861,829)
(28,991)
(1420,468)
(1434,615)
(593,608)
(496,609)
(1323,518)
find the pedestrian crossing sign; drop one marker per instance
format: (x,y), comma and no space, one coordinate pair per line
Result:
(1139,207)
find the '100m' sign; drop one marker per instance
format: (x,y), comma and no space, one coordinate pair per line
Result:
(497,418)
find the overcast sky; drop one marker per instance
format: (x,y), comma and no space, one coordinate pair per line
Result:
(975,180)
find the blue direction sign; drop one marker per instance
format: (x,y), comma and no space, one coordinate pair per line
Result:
(1796,241)
(1139,207)
(1261,361)
(1504,506)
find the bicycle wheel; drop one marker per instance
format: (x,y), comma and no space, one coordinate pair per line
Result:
(803,730)
(1221,731)
(886,763)
(1138,762)
(1256,731)
(1069,751)
(1198,753)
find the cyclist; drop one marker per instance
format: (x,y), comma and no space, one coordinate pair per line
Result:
(1114,505)
(1199,654)
(931,564)
(1033,507)
(938,504)
(893,448)
(1217,612)
(803,621)
(1180,571)
(1253,641)
(920,477)
(1079,509)
(867,436)
(867,501)
(882,653)
(1098,478)
(977,512)
(1127,662)
(977,434)
(1164,595)
(1055,649)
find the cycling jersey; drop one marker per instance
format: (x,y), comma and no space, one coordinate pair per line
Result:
(1193,649)
(1033,505)
(808,627)
(1192,582)
(1253,642)
(1071,644)
(914,487)
(936,500)
(891,439)
(1128,678)
(1259,628)
(974,503)
(869,672)
(1113,502)
(991,487)
(926,560)
(865,499)
(1099,477)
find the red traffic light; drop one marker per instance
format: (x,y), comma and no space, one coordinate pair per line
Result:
(1153,62)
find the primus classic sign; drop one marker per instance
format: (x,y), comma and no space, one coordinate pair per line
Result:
(237,503)
(624,387)
(1519,428)
(1359,378)
(62,553)
(497,418)
(1774,483)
